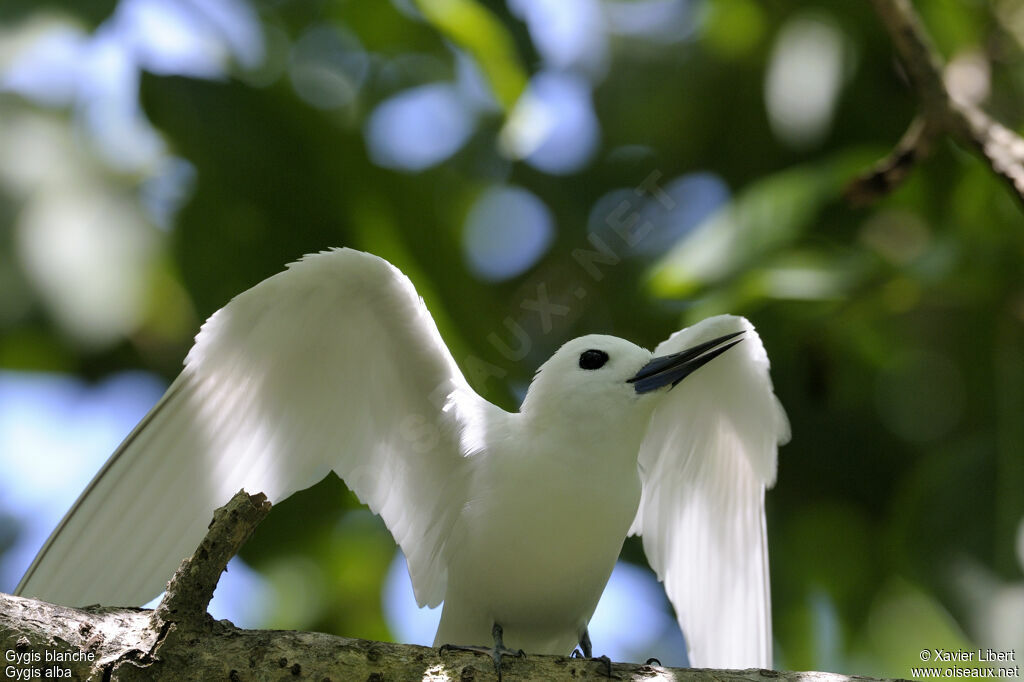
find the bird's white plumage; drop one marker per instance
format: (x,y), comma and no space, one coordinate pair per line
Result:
(332,364)
(708,455)
(335,364)
(550,501)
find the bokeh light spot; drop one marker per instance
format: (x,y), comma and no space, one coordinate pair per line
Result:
(418,128)
(569,34)
(804,76)
(662,21)
(328,66)
(506,231)
(553,125)
(733,28)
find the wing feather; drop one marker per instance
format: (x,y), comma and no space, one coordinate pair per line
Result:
(708,456)
(334,363)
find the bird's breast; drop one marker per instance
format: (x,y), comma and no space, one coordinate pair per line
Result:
(540,534)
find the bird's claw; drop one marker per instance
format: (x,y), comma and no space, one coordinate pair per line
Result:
(603,659)
(586,652)
(607,666)
(497,652)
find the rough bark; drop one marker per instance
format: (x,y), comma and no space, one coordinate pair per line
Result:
(123,644)
(180,641)
(941,112)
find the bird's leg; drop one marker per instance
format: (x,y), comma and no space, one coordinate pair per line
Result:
(497,652)
(500,650)
(586,646)
(588,653)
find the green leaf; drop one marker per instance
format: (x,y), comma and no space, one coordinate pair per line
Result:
(761,219)
(475,29)
(733,29)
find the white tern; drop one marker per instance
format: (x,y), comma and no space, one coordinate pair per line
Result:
(514,519)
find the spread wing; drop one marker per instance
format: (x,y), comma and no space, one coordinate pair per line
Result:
(334,363)
(709,453)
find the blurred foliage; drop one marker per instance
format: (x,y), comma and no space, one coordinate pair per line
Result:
(896,331)
(470,26)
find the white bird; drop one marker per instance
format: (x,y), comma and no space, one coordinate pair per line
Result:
(510,519)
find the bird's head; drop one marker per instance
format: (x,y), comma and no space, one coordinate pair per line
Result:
(598,379)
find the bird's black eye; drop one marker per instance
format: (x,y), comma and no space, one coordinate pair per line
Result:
(593,359)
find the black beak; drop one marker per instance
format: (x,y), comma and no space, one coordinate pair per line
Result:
(671,369)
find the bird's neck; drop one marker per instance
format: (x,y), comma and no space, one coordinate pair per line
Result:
(610,442)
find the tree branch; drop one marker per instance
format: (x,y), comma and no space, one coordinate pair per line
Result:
(191,587)
(121,645)
(179,641)
(941,112)
(888,173)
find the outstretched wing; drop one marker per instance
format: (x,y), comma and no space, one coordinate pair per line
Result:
(334,363)
(709,453)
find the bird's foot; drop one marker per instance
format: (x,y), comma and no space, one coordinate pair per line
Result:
(497,652)
(606,671)
(588,654)
(604,659)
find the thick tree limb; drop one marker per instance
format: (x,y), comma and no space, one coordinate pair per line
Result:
(941,112)
(179,641)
